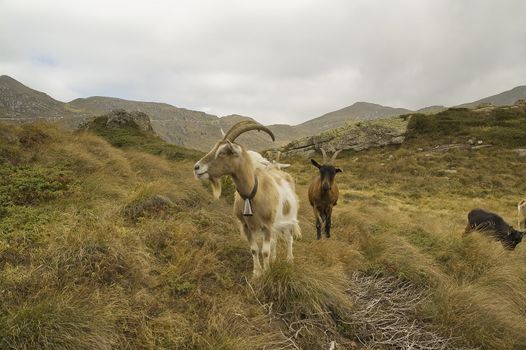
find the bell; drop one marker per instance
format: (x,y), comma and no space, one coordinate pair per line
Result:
(247,211)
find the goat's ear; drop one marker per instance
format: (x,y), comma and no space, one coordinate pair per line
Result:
(315,163)
(338,170)
(236,149)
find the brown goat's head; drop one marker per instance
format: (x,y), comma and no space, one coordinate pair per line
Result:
(226,156)
(327,171)
(327,174)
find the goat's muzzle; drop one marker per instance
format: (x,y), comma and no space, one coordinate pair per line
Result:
(200,171)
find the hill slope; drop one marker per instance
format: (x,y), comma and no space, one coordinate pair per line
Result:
(455,127)
(506,98)
(194,129)
(17,101)
(104,247)
(502,126)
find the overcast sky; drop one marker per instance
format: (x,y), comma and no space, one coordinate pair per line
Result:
(279,61)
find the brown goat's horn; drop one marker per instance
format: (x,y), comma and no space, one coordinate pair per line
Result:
(333,158)
(244,126)
(324,155)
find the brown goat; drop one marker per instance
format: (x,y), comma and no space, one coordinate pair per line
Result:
(323,193)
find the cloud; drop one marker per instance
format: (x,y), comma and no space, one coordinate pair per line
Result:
(278,61)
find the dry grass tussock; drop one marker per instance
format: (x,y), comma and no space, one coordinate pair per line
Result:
(90,260)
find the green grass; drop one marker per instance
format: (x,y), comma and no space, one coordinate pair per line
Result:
(503,126)
(78,272)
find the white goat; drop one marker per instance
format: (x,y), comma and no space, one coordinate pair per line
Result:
(275,162)
(265,202)
(521,214)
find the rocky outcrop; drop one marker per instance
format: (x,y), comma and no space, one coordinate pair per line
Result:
(355,137)
(119,118)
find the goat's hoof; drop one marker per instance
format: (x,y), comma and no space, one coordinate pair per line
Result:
(290,259)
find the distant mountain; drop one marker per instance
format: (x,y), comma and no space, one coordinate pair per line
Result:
(356,111)
(200,130)
(506,98)
(432,109)
(194,129)
(19,102)
(181,126)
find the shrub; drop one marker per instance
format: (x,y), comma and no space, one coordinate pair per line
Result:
(28,185)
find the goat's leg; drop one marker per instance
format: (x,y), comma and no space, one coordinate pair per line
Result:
(266,248)
(318,228)
(254,249)
(328,223)
(290,239)
(273,251)
(318,221)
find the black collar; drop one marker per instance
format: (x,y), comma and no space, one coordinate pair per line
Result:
(253,192)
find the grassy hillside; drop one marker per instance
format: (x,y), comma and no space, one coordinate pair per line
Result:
(130,136)
(502,126)
(91,258)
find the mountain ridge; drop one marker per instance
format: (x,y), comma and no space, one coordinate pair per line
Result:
(17,100)
(196,129)
(505,98)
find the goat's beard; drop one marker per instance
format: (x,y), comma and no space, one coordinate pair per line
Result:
(216,187)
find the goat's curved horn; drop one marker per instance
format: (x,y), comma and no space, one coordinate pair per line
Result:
(333,158)
(244,126)
(324,154)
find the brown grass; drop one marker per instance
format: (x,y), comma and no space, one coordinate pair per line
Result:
(75,273)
